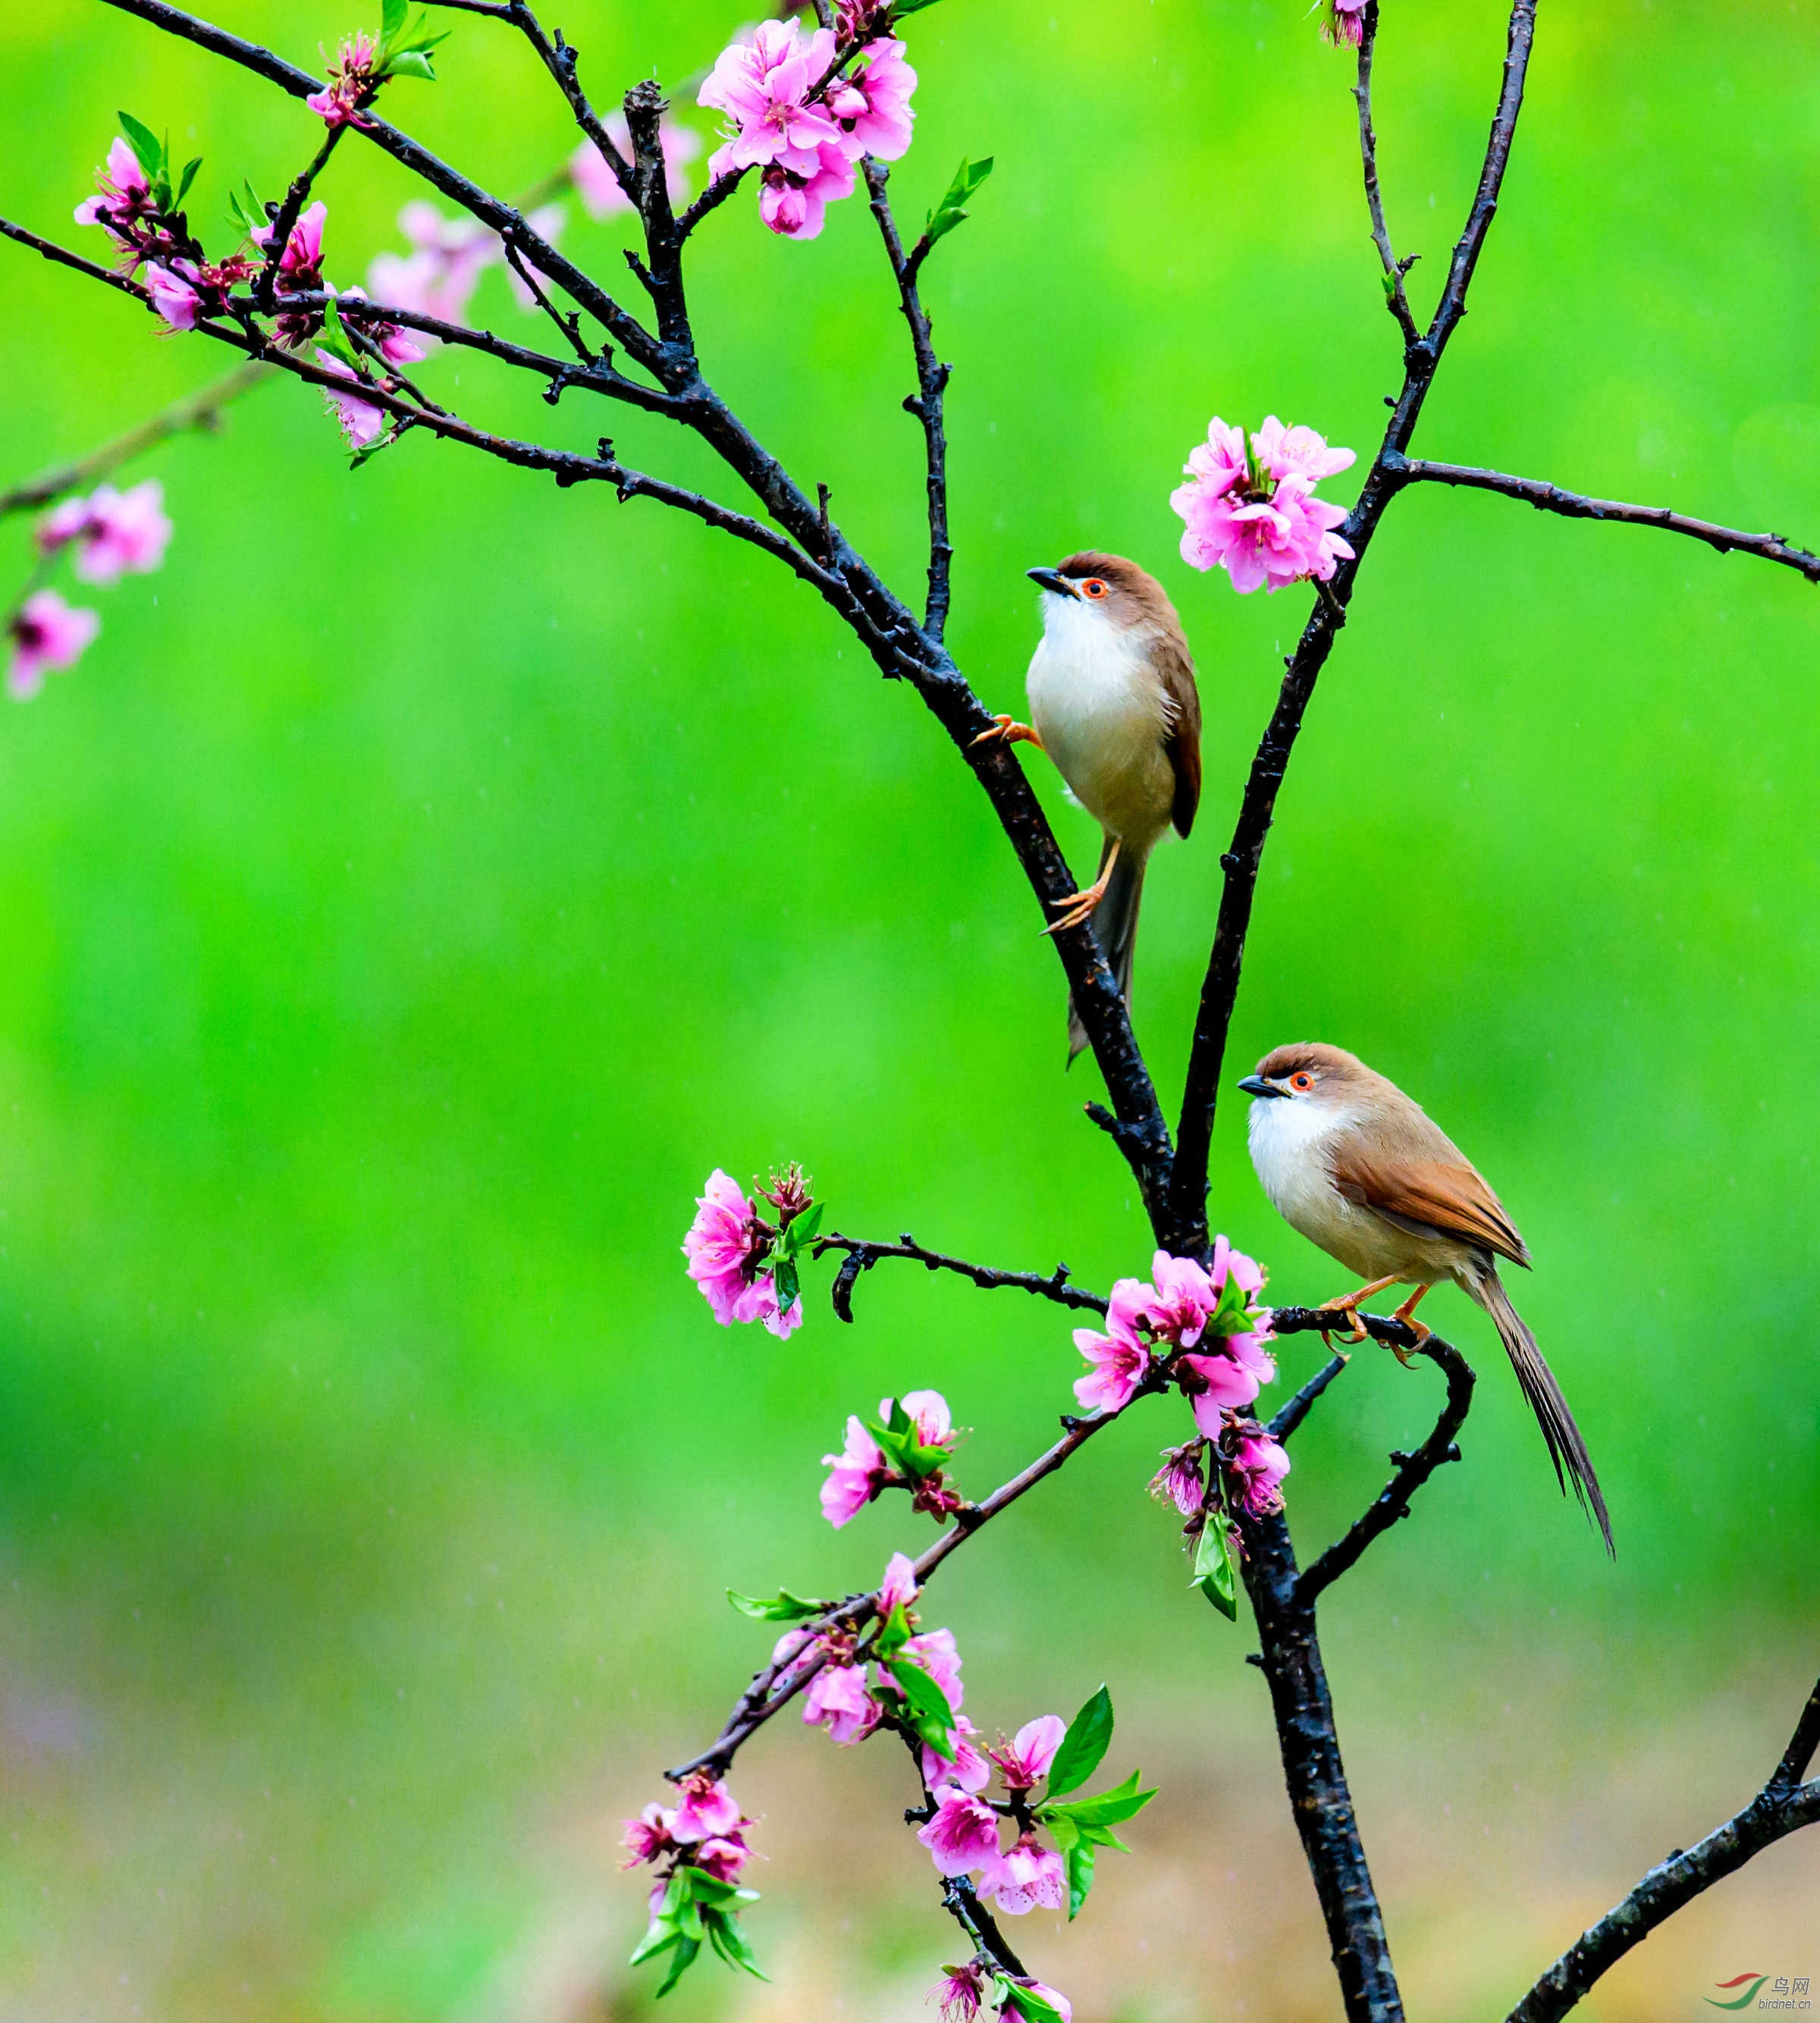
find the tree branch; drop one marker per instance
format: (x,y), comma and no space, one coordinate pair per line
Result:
(1240,864)
(1548,497)
(265,284)
(1783,1806)
(1395,299)
(861,1255)
(1412,1471)
(926,404)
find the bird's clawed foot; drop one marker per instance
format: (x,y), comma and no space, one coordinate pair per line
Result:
(1406,1313)
(1079,906)
(1011,731)
(1349,1305)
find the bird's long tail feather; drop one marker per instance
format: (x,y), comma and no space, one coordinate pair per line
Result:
(1566,1449)
(1115,929)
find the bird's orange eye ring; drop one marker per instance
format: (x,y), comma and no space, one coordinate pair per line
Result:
(1094,587)
(1302,1081)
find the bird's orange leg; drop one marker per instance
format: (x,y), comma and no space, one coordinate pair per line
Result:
(1012,731)
(1406,1313)
(1349,1306)
(1080,905)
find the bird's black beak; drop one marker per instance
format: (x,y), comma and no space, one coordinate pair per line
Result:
(1052,580)
(1257,1085)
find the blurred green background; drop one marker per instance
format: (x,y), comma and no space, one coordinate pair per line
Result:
(430,876)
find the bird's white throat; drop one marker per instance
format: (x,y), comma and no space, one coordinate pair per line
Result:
(1096,700)
(1288,1135)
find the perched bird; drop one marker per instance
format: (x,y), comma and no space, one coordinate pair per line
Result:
(1357,1167)
(1112,694)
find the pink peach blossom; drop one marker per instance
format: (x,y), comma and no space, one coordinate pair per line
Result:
(722,1859)
(597,187)
(1025,1760)
(1215,1384)
(1247,1274)
(361,422)
(872,103)
(969,1769)
(960,1989)
(301,259)
(339,101)
(766,84)
(722,1245)
(837,1700)
(173,293)
(934,1652)
(1255,516)
(1042,1990)
(1185,1298)
(648,1837)
(929,1410)
(1345,22)
(795,205)
(124,192)
(707,1809)
(856,1476)
(1024,1877)
(115,532)
(45,632)
(898,1588)
(1120,1358)
(1179,1478)
(1260,1465)
(963,1835)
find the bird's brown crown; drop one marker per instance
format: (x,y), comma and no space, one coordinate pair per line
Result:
(1136,597)
(1331,1066)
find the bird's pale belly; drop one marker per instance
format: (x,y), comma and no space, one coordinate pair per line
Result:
(1106,739)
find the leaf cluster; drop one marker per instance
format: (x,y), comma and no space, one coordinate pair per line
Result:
(697,1909)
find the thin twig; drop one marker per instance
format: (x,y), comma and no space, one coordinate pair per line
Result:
(284,221)
(1413,1470)
(1396,300)
(1302,1403)
(1548,497)
(200,410)
(861,1255)
(1783,1806)
(926,404)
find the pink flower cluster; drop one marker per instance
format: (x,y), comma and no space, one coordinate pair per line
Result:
(1249,506)
(299,270)
(597,187)
(862,1471)
(110,532)
(180,285)
(704,1830)
(963,1836)
(44,632)
(351,81)
(1343,22)
(726,1246)
(803,119)
(1144,1322)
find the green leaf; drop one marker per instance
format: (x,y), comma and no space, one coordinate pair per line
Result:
(894,1632)
(1101,1837)
(366,455)
(144,144)
(926,1708)
(952,209)
(334,337)
(687,1949)
(1080,1867)
(1080,1753)
(412,63)
(785,1278)
(904,7)
(1118,1804)
(1063,1831)
(392,20)
(1212,1573)
(1024,2001)
(801,1233)
(700,1887)
(729,1942)
(188,177)
(788,1608)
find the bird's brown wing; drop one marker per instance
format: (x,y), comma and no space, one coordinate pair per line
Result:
(1429,1195)
(1182,741)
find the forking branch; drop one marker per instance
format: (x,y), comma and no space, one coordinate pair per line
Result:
(795,529)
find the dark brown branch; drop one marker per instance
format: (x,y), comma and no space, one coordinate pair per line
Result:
(1784,1805)
(1220,988)
(1298,1407)
(266,285)
(1548,497)
(1412,1471)
(201,410)
(961,1901)
(926,404)
(1396,300)
(861,1255)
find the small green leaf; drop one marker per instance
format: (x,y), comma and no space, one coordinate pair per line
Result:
(687,1949)
(701,1888)
(729,1942)
(1080,1866)
(801,1233)
(144,144)
(188,178)
(1120,1803)
(412,63)
(952,209)
(1062,1831)
(334,337)
(1024,2001)
(894,1632)
(1079,1754)
(392,20)
(904,7)
(1101,1837)
(367,454)
(785,1279)
(788,1608)
(926,1707)
(1212,1573)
